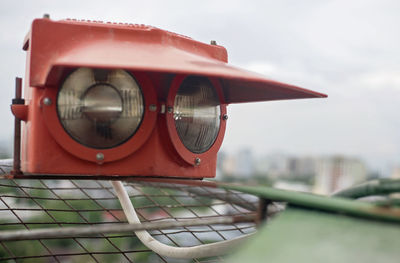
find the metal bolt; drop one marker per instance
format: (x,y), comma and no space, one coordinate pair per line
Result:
(47,16)
(170,109)
(152,107)
(225,117)
(99,157)
(47,101)
(213,42)
(197,161)
(162,111)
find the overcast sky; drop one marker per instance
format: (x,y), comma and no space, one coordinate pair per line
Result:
(346,49)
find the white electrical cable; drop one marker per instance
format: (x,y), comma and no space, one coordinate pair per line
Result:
(207,250)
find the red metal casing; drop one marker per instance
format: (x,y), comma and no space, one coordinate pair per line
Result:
(159,60)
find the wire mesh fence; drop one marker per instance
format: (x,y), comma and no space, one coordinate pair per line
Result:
(53,204)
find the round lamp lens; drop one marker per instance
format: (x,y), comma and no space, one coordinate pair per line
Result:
(100,108)
(197,114)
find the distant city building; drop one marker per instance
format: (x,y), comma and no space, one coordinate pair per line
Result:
(334,173)
(273,166)
(322,175)
(244,163)
(221,156)
(238,165)
(396,173)
(302,167)
(227,165)
(281,166)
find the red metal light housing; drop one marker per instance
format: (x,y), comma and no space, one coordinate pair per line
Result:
(160,62)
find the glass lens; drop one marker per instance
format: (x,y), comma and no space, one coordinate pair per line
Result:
(100,108)
(197,114)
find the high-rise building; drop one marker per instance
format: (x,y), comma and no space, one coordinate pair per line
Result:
(338,172)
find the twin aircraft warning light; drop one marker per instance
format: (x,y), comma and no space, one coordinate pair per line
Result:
(106,99)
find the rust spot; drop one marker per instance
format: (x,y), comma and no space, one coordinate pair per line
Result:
(386,211)
(7,176)
(241,219)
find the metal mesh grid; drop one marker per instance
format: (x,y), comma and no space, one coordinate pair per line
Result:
(31,204)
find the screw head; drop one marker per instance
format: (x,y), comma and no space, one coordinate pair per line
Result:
(197,161)
(152,107)
(99,156)
(47,101)
(225,117)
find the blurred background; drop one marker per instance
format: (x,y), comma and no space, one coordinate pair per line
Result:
(346,49)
